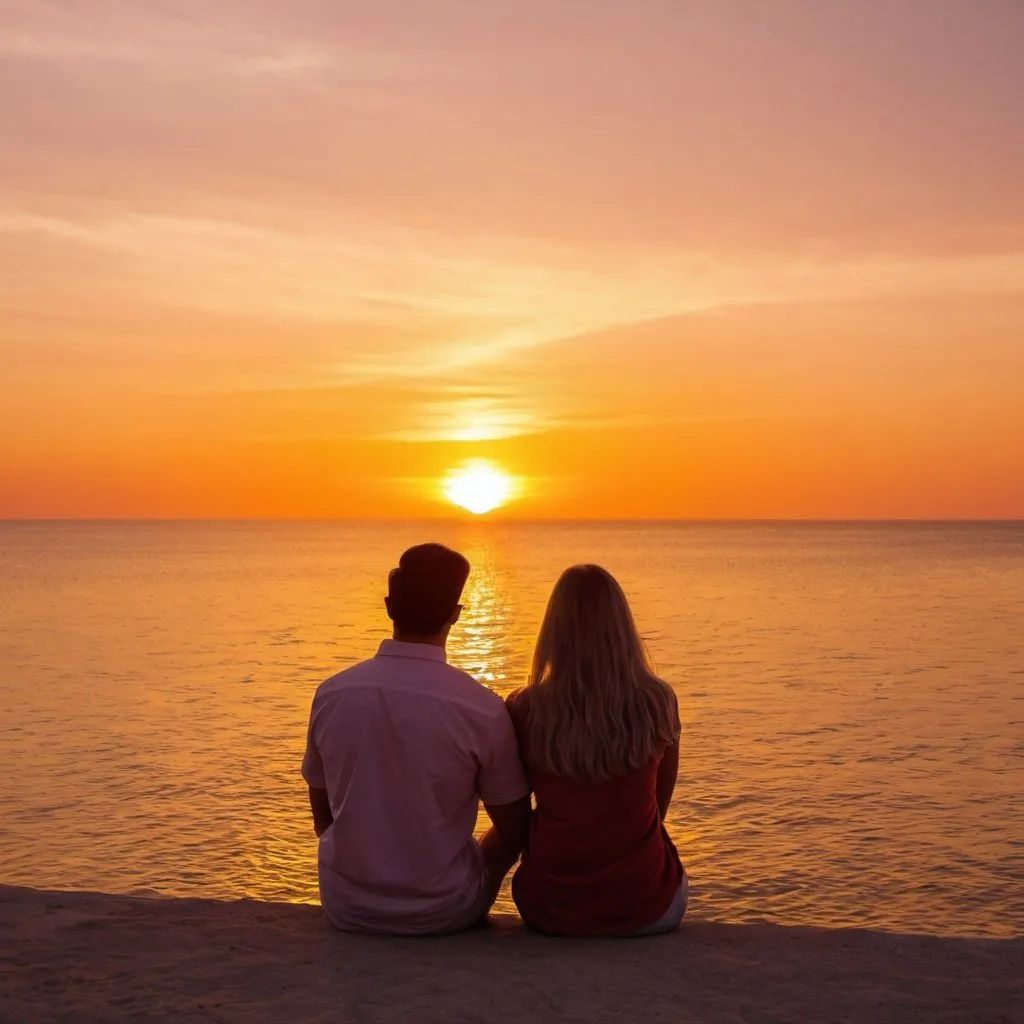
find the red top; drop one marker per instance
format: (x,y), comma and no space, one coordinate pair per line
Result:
(598,861)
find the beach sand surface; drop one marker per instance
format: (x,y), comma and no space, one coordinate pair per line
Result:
(94,957)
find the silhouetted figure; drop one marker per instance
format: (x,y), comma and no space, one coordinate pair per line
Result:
(599,734)
(400,751)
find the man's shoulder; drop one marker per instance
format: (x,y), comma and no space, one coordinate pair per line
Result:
(364,672)
(460,689)
(445,682)
(463,688)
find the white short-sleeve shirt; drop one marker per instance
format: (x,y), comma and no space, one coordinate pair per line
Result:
(406,746)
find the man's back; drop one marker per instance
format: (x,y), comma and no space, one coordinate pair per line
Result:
(405,745)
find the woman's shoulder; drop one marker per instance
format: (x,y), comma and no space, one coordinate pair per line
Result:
(518,702)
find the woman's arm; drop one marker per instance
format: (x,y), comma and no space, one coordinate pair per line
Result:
(668,771)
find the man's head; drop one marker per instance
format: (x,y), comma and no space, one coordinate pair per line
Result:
(424,592)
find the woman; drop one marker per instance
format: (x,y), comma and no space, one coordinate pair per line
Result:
(599,735)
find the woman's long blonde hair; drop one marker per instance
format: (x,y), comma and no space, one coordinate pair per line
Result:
(596,709)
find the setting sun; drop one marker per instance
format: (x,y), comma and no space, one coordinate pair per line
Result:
(478,487)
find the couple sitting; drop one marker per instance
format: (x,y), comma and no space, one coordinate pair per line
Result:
(402,748)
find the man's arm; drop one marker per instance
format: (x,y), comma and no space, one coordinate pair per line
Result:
(505,792)
(668,771)
(316,778)
(320,805)
(511,825)
(504,842)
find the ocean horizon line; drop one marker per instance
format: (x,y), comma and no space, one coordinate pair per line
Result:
(516,521)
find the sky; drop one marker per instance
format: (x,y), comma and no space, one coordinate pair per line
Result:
(656,258)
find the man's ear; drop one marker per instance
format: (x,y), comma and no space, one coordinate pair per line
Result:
(387,605)
(455,615)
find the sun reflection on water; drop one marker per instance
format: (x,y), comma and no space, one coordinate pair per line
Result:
(484,641)
(492,640)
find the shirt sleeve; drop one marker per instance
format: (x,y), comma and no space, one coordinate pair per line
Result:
(501,779)
(312,762)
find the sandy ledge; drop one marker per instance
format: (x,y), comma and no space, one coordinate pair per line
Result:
(93,957)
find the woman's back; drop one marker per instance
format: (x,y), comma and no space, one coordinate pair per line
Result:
(599,735)
(599,861)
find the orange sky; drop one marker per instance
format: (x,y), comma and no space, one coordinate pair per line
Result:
(665,259)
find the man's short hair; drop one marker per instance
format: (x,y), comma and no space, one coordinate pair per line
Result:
(425,589)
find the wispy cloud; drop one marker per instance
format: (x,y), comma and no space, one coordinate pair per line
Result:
(489,297)
(209,40)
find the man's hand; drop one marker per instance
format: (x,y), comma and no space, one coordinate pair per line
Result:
(320,805)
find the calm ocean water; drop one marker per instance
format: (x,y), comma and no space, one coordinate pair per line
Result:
(852,699)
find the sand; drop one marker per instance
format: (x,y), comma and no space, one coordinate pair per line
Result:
(91,957)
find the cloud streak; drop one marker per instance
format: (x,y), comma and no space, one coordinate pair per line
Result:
(491,297)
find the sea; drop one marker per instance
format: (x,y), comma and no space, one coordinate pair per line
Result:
(852,698)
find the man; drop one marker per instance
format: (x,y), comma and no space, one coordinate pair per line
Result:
(400,751)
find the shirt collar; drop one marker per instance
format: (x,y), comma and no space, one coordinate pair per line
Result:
(399,649)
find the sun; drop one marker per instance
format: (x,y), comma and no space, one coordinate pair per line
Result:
(478,486)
